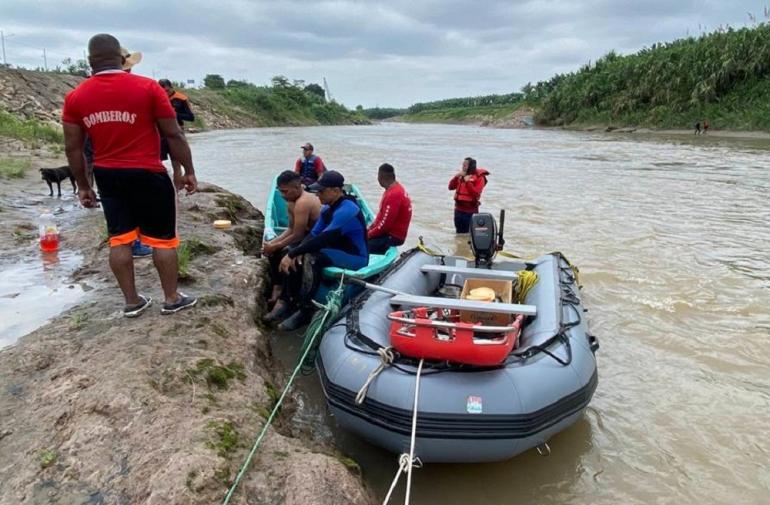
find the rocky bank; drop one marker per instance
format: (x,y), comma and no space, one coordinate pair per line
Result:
(98,409)
(40,95)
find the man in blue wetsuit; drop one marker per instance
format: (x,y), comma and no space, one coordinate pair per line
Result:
(337,239)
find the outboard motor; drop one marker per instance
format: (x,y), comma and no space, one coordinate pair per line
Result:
(485,239)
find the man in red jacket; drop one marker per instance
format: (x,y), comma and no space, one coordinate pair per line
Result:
(392,222)
(467,184)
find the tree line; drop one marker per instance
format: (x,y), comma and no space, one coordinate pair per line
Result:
(688,75)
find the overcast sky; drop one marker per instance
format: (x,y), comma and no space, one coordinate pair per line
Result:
(391,54)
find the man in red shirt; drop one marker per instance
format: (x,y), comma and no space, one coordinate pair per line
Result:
(122,114)
(392,222)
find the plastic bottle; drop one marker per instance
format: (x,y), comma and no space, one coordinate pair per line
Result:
(49,232)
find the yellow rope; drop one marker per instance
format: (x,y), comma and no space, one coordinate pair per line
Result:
(423,248)
(526,280)
(432,252)
(507,254)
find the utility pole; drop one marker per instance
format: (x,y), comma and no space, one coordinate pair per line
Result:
(45,61)
(328,91)
(2,37)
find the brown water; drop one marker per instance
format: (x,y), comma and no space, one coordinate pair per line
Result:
(36,286)
(672,236)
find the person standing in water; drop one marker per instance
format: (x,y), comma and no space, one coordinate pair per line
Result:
(468,184)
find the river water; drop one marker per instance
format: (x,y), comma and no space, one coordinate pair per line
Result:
(672,236)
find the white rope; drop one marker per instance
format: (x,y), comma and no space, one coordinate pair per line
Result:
(414,432)
(407,461)
(403,462)
(386,359)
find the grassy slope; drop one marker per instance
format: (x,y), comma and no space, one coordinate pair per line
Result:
(258,106)
(461,114)
(746,108)
(28,130)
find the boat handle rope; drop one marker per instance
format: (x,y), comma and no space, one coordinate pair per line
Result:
(408,461)
(386,359)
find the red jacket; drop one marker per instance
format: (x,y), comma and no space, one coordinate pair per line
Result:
(394,216)
(468,192)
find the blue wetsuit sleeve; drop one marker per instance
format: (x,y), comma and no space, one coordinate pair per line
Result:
(322,237)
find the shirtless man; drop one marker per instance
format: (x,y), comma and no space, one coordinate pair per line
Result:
(303,209)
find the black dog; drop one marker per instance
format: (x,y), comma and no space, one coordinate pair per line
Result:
(51,175)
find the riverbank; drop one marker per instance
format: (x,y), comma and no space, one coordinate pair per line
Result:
(38,97)
(96,408)
(714,133)
(500,116)
(522,118)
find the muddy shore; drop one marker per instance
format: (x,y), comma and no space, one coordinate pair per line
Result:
(95,408)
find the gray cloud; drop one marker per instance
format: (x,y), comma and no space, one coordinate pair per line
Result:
(372,53)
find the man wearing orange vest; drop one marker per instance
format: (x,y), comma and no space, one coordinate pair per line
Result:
(181,106)
(467,184)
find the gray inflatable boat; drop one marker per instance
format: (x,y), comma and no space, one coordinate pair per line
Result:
(465,413)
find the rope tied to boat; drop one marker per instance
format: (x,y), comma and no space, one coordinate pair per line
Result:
(430,252)
(525,281)
(318,326)
(408,461)
(386,359)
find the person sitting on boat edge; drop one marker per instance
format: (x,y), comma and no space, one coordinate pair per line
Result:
(337,239)
(309,166)
(303,209)
(468,185)
(391,225)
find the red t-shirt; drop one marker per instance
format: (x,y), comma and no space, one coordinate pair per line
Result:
(118,110)
(394,216)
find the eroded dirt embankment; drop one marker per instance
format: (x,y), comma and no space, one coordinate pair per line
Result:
(95,408)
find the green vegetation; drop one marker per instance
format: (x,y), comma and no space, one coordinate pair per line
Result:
(187,251)
(351,464)
(723,76)
(273,396)
(13,169)
(78,320)
(226,438)
(48,458)
(461,114)
(214,299)
(471,102)
(28,130)
(283,103)
(381,112)
(232,205)
(454,110)
(217,374)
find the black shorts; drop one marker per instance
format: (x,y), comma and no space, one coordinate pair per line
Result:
(138,204)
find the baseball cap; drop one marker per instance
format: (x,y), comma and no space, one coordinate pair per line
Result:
(329,179)
(307,145)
